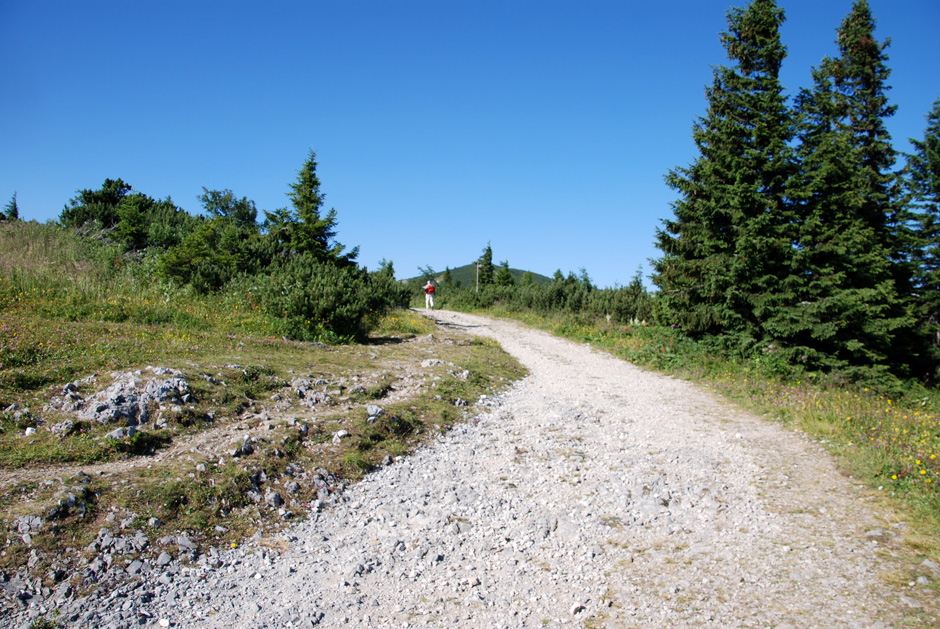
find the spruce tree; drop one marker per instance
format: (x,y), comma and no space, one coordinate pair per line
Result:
(305,230)
(922,183)
(726,262)
(503,275)
(486,270)
(849,309)
(11,210)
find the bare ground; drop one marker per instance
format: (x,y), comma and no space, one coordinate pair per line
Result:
(591,494)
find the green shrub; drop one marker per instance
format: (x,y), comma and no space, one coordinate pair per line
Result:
(310,300)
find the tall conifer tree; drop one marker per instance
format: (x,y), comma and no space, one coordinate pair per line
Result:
(486,270)
(727,251)
(503,275)
(922,181)
(850,309)
(11,210)
(306,230)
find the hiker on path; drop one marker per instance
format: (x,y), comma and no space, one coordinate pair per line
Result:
(429,295)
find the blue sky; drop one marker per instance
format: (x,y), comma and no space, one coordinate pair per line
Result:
(541,127)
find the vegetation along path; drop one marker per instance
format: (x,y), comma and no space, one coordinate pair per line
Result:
(591,494)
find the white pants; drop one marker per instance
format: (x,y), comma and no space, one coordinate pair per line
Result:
(429,300)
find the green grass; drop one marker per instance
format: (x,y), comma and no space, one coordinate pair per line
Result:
(86,447)
(71,308)
(198,502)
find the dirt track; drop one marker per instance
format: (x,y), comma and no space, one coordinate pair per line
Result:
(591,494)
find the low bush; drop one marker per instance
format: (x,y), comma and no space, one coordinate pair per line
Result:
(310,300)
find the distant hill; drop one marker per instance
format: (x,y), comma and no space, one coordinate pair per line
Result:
(467,275)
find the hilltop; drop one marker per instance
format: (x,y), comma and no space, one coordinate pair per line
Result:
(466,276)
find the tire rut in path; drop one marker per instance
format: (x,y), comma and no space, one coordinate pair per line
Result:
(593,492)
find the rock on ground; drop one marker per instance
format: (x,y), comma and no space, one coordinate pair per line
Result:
(591,493)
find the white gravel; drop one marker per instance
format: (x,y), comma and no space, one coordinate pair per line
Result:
(592,493)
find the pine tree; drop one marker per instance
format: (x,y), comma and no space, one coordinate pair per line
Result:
(304,230)
(503,275)
(486,270)
(223,204)
(387,268)
(428,274)
(850,308)
(922,183)
(95,206)
(11,210)
(726,263)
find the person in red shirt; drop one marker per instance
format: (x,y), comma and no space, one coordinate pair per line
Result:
(429,295)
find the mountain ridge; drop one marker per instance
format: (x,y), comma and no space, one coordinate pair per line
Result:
(466,275)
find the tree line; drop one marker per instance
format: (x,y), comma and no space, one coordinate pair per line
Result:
(795,232)
(289,263)
(565,295)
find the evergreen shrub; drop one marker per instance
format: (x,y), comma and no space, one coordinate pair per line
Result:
(311,300)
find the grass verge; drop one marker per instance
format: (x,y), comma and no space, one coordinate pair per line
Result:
(889,442)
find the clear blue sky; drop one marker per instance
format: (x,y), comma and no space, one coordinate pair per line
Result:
(542,127)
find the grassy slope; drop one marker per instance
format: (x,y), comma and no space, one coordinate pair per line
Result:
(70,309)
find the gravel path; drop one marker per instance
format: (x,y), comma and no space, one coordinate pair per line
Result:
(591,494)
